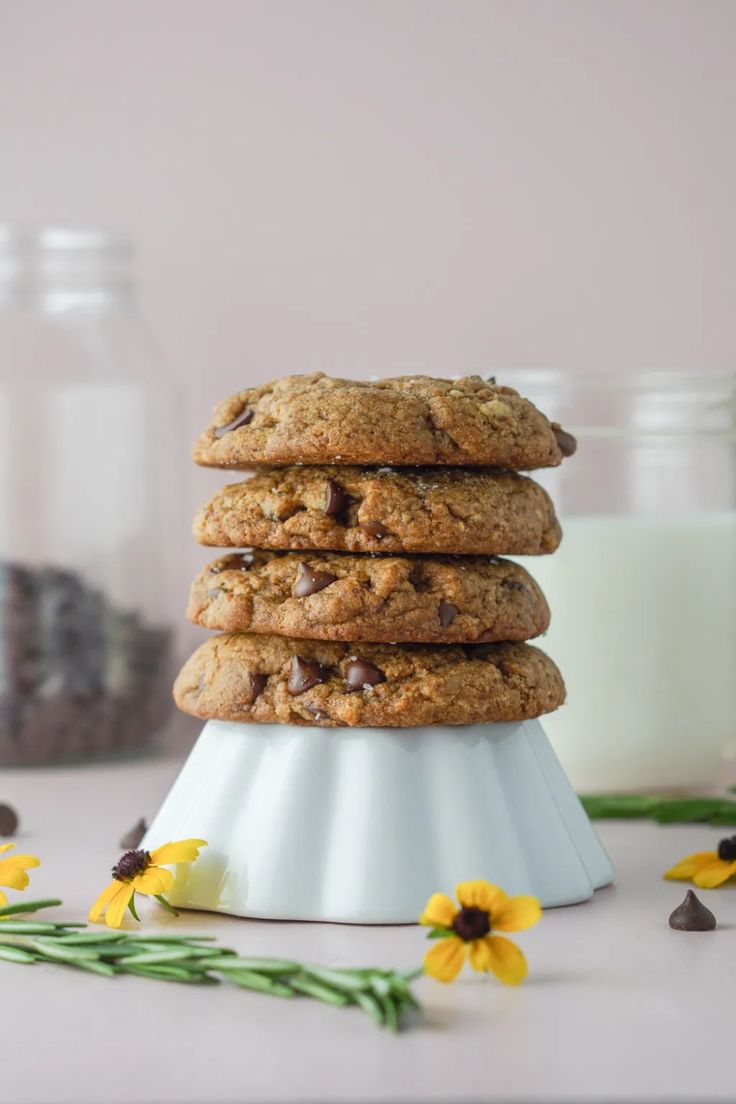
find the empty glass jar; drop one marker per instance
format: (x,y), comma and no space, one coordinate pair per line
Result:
(87,491)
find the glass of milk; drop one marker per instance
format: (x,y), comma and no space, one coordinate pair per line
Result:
(643,587)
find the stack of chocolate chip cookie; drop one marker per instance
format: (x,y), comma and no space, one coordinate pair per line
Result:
(372,593)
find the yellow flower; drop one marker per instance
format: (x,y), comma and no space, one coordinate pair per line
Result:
(707,869)
(484,908)
(13,870)
(142,872)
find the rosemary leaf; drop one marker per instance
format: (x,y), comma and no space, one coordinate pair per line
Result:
(371,1006)
(256,965)
(248,979)
(318,990)
(16,954)
(336,978)
(28,906)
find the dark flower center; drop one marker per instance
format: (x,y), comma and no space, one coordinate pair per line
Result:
(130,864)
(727,849)
(471,923)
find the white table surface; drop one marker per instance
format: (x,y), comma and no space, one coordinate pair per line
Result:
(617,1006)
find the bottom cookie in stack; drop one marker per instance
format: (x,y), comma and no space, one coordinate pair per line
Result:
(275,679)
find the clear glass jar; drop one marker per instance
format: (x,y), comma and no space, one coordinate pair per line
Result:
(643,587)
(87,491)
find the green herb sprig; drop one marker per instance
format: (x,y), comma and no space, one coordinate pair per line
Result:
(384,995)
(664,810)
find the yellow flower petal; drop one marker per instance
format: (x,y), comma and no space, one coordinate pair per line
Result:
(117,906)
(153,881)
(714,875)
(183,851)
(516,914)
(480,954)
(505,960)
(13,870)
(439,912)
(103,900)
(445,959)
(6,846)
(480,895)
(686,868)
(3,899)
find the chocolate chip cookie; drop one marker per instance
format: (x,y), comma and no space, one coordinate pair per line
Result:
(444,510)
(332,596)
(238,677)
(404,421)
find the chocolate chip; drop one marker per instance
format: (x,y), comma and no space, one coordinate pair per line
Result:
(243,419)
(359,674)
(134,835)
(417,580)
(8,821)
(304,674)
(241,561)
(257,685)
(375,529)
(309,581)
(692,915)
(336,499)
(565,441)
(513,584)
(447,613)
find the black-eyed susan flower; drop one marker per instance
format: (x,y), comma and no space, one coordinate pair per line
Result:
(142,872)
(13,870)
(470,929)
(707,869)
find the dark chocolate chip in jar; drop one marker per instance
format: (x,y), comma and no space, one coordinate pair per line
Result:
(375,529)
(304,674)
(360,674)
(243,419)
(8,821)
(447,613)
(336,499)
(309,581)
(565,441)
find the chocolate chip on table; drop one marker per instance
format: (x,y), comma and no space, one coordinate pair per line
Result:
(309,581)
(692,915)
(304,674)
(134,835)
(257,685)
(8,821)
(447,613)
(336,499)
(375,529)
(359,674)
(565,441)
(243,419)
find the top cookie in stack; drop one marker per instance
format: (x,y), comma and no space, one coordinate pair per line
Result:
(403,493)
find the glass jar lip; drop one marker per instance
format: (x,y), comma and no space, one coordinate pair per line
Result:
(64,258)
(665,378)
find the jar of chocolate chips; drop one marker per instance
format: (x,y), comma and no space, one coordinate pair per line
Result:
(87,492)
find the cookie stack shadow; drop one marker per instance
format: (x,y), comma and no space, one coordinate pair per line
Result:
(371,593)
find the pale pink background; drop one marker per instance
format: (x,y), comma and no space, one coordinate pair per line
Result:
(389,185)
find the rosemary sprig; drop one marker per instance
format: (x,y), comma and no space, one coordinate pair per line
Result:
(664,810)
(384,995)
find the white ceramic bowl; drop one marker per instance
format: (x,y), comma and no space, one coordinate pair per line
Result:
(361,825)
